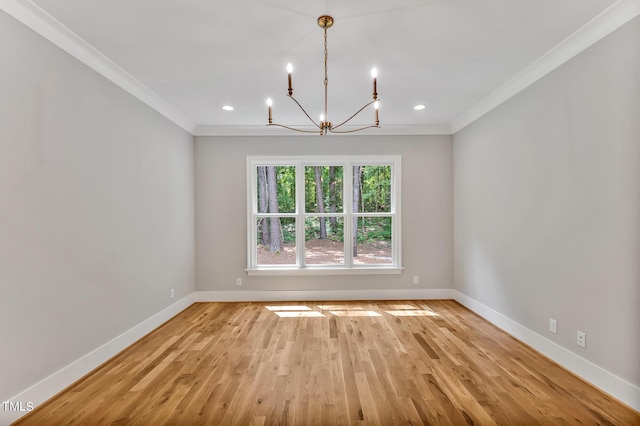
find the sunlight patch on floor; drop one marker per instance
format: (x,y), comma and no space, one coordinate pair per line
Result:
(355,313)
(339,308)
(288,308)
(396,310)
(298,314)
(398,307)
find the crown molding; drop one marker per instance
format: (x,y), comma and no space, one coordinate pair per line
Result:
(48,27)
(437,129)
(599,27)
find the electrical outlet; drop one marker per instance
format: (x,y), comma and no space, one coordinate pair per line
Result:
(173,293)
(553,326)
(416,279)
(582,339)
(238,281)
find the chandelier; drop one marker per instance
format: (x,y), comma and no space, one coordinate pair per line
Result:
(324,125)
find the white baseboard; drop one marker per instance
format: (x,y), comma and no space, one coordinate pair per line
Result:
(306,295)
(597,376)
(50,386)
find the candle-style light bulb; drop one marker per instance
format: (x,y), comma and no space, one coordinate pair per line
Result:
(289,72)
(376,106)
(374,74)
(269,104)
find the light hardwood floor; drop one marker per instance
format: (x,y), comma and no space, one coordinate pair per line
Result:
(330,363)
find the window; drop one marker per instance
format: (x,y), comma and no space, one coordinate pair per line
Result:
(323,215)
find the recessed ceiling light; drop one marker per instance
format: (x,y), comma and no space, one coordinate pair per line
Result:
(227,108)
(419,107)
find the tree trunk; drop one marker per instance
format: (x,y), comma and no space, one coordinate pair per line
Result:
(332,196)
(356,205)
(263,205)
(275,230)
(320,202)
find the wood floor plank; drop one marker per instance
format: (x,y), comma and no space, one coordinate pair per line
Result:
(337,363)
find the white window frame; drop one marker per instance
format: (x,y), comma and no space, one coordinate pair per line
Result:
(347,162)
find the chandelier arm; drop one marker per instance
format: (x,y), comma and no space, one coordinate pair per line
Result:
(305,112)
(358,112)
(292,128)
(354,130)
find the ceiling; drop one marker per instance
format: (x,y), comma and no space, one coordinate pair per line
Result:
(197,55)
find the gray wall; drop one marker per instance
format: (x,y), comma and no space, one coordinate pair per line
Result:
(427,215)
(96,210)
(547,205)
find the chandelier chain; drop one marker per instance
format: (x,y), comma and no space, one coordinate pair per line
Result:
(326,77)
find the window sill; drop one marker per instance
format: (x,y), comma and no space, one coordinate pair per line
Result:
(382,270)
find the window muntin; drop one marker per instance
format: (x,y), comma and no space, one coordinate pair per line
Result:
(312,211)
